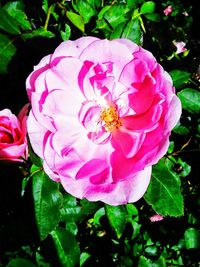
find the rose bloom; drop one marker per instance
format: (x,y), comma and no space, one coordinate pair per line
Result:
(156,218)
(168,10)
(13,130)
(102,112)
(180,47)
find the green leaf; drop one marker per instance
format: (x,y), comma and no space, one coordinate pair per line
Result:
(163,193)
(133,3)
(40,32)
(153,17)
(47,201)
(72,227)
(66,34)
(97,216)
(76,20)
(8,23)
(85,9)
(147,8)
(73,212)
(83,258)
(7,51)
(45,6)
(111,16)
(185,168)
(89,207)
(70,210)
(192,238)
(181,129)
(133,31)
(20,263)
(190,100)
(151,250)
(131,210)
(117,218)
(67,247)
(16,10)
(179,77)
(95,3)
(144,262)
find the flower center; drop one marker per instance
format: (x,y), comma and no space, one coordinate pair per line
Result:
(111,118)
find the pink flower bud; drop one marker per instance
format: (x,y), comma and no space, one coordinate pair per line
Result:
(13,144)
(167,10)
(156,218)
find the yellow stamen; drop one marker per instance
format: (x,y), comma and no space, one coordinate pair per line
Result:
(111,118)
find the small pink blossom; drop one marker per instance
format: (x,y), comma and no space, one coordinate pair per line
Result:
(102,113)
(180,47)
(167,10)
(185,14)
(13,144)
(156,218)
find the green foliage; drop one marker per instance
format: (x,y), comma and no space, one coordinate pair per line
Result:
(190,100)
(40,32)
(7,51)
(20,263)
(76,20)
(85,8)
(67,247)
(8,23)
(179,78)
(16,10)
(66,34)
(117,218)
(147,8)
(47,202)
(192,238)
(164,192)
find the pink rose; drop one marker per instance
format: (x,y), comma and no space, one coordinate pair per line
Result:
(180,47)
(102,112)
(13,144)
(156,218)
(168,10)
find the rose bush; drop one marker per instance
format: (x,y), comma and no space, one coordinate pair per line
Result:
(102,113)
(13,130)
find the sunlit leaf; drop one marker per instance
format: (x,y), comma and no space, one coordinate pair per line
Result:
(40,32)
(112,16)
(45,6)
(153,17)
(16,10)
(85,8)
(8,23)
(7,51)
(133,31)
(192,238)
(47,201)
(164,194)
(181,129)
(83,258)
(179,77)
(190,100)
(147,8)
(144,262)
(117,218)
(67,247)
(20,263)
(66,34)
(97,216)
(76,20)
